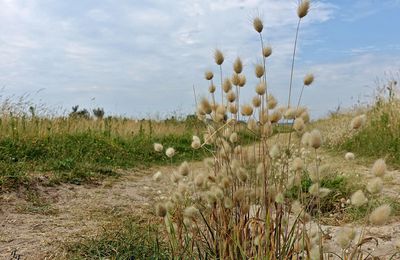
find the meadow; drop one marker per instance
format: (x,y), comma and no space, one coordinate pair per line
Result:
(237,180)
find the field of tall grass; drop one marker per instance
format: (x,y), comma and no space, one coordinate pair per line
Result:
(75,148)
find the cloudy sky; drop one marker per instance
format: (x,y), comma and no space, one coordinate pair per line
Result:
(141,58)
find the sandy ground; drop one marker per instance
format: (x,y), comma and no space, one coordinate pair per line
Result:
(71,212)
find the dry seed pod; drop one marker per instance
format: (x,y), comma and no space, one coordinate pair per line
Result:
(218,57)
(303,8)
(238,65)
(208,75)
(258,24)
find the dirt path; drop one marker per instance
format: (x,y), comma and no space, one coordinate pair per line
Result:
(35,229)
(36,226)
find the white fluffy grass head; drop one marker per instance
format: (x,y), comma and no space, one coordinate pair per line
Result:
(246,110)
(272,102)
(308,79)
(303,8)
(218,57)
(157,176)
(267,51)
(170,152)
(258,24)
(344,237)
(375,185)
(357,122)
(349,156)
(208,75)
(380,215)
(358,198)
(158,147)
(315,139)
(184,169)
(298,124)
(298,164)
(261,88)
(379,168)
(238,65)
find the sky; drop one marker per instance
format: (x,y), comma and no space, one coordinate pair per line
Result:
(142,58)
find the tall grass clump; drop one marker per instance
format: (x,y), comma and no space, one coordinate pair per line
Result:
(379,133)
(242,206)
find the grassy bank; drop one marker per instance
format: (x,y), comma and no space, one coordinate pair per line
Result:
(80,150)
(380,137)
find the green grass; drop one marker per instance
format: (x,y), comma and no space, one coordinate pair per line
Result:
(380,137)
(340,186)
(83,157)
(130,239)
(353,214)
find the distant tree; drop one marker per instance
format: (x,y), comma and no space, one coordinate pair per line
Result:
(98,113)
(83,113)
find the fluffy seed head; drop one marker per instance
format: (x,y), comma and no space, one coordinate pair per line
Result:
(211,88)
(358,122)
(228,203)
(208,75)
(315,139)
(238,65)
(358,198)
(259,70)
(298,164)
(242,174)
(379,168)
(235,79)
(242,80)
(306,117)
(256,101)
(308,79)
(258,24)
(267,51)
(303,8)
(380,215)
(218,57)
(157,176)
(205,106)
(275,116)
(275,151)
(246,110)
(290,113)
(252,124)
(345,236)
(232,108)
(305,139)
(231,96)
(191,212)
(227,85)
(158,147)
(375,185)
(298,124)
(170,152)
(195,144)
(161,211)
(261,88)
(233,138)
(184,169)
(199,180)
(272,102)
(349,156)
